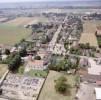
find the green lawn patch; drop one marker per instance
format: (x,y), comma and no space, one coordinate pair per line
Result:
(99,41)
(49,93)
(21,70)
(37,73)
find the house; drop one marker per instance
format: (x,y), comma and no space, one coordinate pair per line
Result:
(98,93)
(91,78)
(59,49)
(27,58)
(83,62)
(36,65)
(13,49)
(94,68)
(43,53)
(4,57)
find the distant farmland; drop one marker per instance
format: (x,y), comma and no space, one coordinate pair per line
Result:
(10,34)
(21,21)
(13,31)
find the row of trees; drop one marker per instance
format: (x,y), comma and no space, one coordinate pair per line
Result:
(14,63)
(64,65)
(15,60)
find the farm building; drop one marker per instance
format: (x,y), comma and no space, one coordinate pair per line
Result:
(36,65)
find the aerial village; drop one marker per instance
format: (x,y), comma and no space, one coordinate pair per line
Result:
(60,47)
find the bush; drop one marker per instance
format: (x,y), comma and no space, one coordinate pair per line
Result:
(7,51)
(23,52)
(61,86)
(37,58)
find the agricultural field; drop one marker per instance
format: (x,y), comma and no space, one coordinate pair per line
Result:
(10,34)
(3,20)
(3,69)
(88,35)
(49,93)
(13,31)
(21,21)
(88,38)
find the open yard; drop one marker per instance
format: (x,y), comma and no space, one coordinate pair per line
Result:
(48,92)
(10,34)
(3,69)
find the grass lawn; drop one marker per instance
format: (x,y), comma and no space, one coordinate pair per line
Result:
(99,41)
(48,92)
(10,34)
(3,69)
(20,70)
(37,73)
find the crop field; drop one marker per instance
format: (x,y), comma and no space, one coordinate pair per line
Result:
(3,19)
(88,35)
(21,21)
(10,34)
(3,69)
(48,91)
(89,38)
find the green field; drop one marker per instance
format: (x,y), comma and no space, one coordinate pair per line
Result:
(10,34)
(49,93)
(37,73)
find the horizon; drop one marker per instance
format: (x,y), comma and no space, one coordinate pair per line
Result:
(21,1)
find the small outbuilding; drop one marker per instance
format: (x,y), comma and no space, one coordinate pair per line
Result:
(98,93)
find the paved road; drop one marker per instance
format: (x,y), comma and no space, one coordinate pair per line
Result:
(86,92)
(74,55)
(3,77)
(54,39)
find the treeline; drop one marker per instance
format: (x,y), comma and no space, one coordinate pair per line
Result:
(14,63)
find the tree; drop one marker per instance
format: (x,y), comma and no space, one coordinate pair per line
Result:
(45,39)
(82,46)
(0,91)
(60,66)
(37,58)
(7,51)
(61,86)
(14,63)
(66,45)
(87,46)
(68,65)
(23,40)
(23,52)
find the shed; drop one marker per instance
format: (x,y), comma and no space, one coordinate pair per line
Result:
(98,93)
